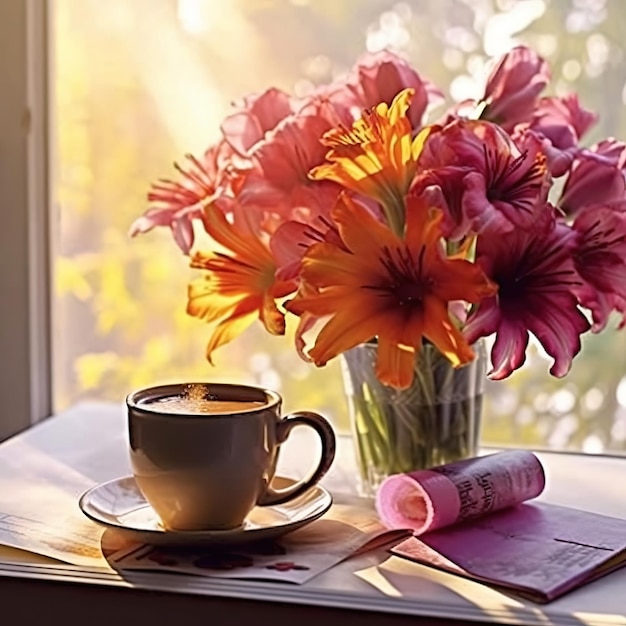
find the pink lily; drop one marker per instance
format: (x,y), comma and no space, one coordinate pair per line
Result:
(177,203)
(340,100)
(379,77)
(535,273)
(256,115)
(278,179)
(597,176)
(600,259)
(513,87)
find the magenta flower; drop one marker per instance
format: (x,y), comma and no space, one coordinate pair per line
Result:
(444,188)
(379,77)
(502,184)
(597,176)
(177,203)
(566,111)
(536,278)
(256,115)
(513,87)
(600,259)
(559,123)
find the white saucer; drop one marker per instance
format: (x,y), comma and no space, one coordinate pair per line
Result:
(120,506)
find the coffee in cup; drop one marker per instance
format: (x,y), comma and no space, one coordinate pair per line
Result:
(204,454)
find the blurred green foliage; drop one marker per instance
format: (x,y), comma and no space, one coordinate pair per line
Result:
(138,83)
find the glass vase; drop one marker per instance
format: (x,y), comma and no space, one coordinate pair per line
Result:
(435,421)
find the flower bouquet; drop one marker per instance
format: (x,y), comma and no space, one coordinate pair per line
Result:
(382,223)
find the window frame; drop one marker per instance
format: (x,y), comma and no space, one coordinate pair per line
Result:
(25,262)
(29,217)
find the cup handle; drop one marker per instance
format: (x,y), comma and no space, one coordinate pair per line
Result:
(327,437)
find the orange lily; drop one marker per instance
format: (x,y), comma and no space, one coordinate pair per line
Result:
(377,157)
(394,288)
(237,287)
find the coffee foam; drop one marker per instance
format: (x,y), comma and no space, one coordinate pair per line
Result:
(197,399)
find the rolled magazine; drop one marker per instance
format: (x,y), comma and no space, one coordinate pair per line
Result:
(448,494)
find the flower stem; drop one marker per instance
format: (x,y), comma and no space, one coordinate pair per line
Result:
(432,422)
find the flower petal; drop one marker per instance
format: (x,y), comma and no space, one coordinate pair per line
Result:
(243,315)
(224,233)
(349,327)
(206,302)
(271,317)
(423,224)
(484,322)
(441,331)
(319,304)
(359,229)
(558,324)
(509,349)
(395,363)
(326,264)
(462,280)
